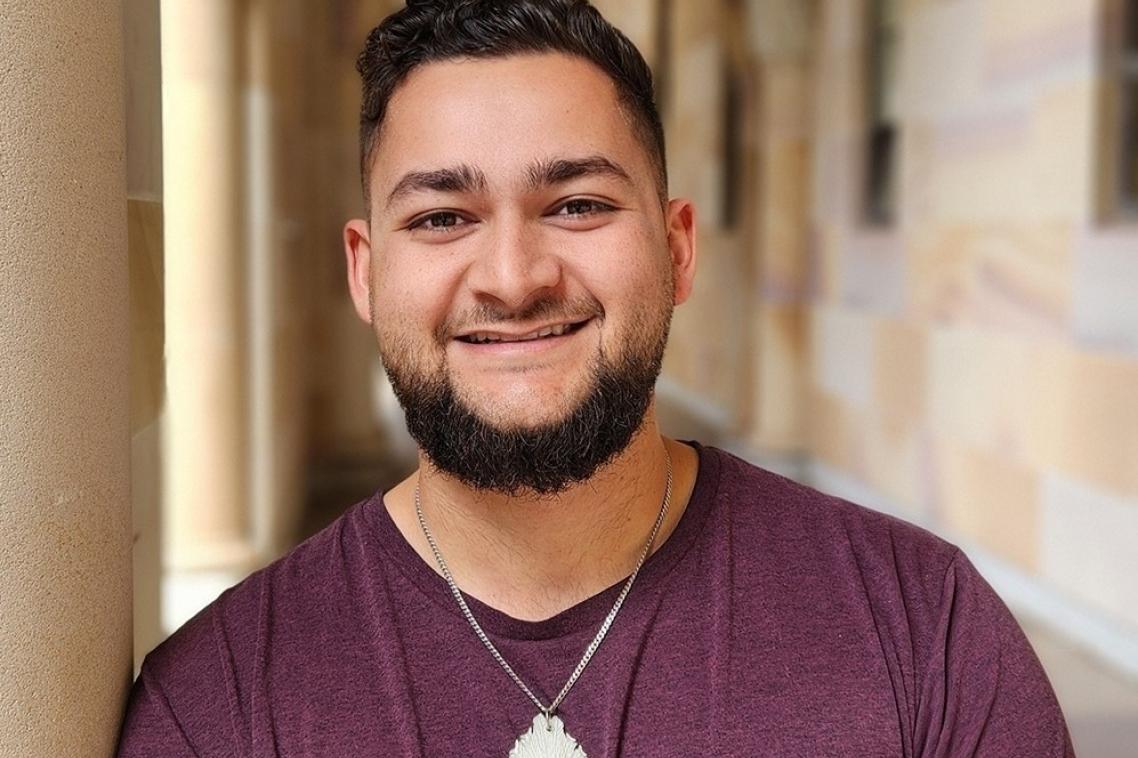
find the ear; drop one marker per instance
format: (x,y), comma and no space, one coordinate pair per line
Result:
(681,244)
(357,249)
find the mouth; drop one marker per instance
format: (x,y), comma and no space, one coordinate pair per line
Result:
(490,337)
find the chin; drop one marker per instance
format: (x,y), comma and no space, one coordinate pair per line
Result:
(522,408)
(518,417)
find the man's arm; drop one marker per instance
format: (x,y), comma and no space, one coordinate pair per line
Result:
(151,728)
(984,692)
(183,703)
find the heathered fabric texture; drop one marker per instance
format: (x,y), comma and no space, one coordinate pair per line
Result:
(775,621)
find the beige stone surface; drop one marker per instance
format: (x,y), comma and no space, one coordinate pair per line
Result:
(837,173)
(64,478)
(637,19)
(900,373)
(989,498)
(206,477)
(983,389)
(143,68)
(997,316)
(341,363)
(942,58)
(1014,278)
(1024,38)
(842,344)
(829,248)
(1099,703)
(1105,309)
(147,398)
(874,272)
(1063,152)
(980,165)
(147,343)
(782,239)
(839,68)
(143,65)
(693,112)
(1087,544)
(835,432)
(709,343)
(895,464)
(781,30)
(1085,419)
(275,45)
(780,377)
(779,222)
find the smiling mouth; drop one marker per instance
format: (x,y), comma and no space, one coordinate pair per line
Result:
(553,330)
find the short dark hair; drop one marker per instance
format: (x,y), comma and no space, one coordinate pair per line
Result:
(436,30)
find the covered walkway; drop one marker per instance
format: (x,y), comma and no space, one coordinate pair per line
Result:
(917,290)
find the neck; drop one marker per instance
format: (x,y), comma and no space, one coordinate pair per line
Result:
(531,556)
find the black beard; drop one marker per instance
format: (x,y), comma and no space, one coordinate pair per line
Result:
(545,459)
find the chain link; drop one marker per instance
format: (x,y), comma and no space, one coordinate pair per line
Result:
(593,646)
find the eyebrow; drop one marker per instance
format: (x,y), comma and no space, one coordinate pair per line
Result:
(454,179)
(466,179)
(561,170)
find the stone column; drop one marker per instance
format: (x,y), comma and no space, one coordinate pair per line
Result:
(703,375)
(779,36)
(207,535)
(147,338)
(279,152)
(65,530)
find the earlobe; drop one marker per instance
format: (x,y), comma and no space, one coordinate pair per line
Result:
(682,247)
(357,250)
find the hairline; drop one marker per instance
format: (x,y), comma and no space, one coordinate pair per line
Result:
(642,131)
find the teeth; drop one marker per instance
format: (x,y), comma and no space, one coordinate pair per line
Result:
(482,338)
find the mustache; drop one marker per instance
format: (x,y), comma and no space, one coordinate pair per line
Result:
(544,308)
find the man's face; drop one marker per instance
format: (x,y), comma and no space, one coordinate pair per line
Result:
(518,256)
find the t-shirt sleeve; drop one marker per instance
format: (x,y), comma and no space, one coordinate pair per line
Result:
(984,693)
(183,702)
(151,728)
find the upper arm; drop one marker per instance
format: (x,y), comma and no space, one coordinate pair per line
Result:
(182,703)
(151,726)
(983,691)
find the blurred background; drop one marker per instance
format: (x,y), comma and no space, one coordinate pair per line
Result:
(918,287)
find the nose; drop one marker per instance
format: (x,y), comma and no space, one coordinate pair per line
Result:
(515,266)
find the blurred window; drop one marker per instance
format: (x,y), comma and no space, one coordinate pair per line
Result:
(1126,72)
(733,124)
(662,68)
(882,139)
(1118,111)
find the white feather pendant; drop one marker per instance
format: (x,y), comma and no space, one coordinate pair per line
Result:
(546,739)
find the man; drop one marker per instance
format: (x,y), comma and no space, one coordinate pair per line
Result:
(558,579)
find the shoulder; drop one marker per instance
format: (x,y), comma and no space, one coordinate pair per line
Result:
(822,559)
(827,564)
(313,574)
(200,680)
(798,518)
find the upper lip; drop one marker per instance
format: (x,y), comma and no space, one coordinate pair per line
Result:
(529,332)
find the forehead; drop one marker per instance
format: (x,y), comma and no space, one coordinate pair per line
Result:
(501,115)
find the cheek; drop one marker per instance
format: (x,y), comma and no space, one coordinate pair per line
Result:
(636,275)
(411,298)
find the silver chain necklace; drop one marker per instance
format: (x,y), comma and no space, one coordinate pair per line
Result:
(547,735)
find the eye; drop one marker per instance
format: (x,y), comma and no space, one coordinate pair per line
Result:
(438,221)
(579,207)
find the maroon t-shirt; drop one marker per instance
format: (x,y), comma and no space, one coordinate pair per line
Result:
(775,621)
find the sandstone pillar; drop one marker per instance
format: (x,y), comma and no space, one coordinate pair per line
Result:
(142,58)
(279,153)
(65,529)
(207,538)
